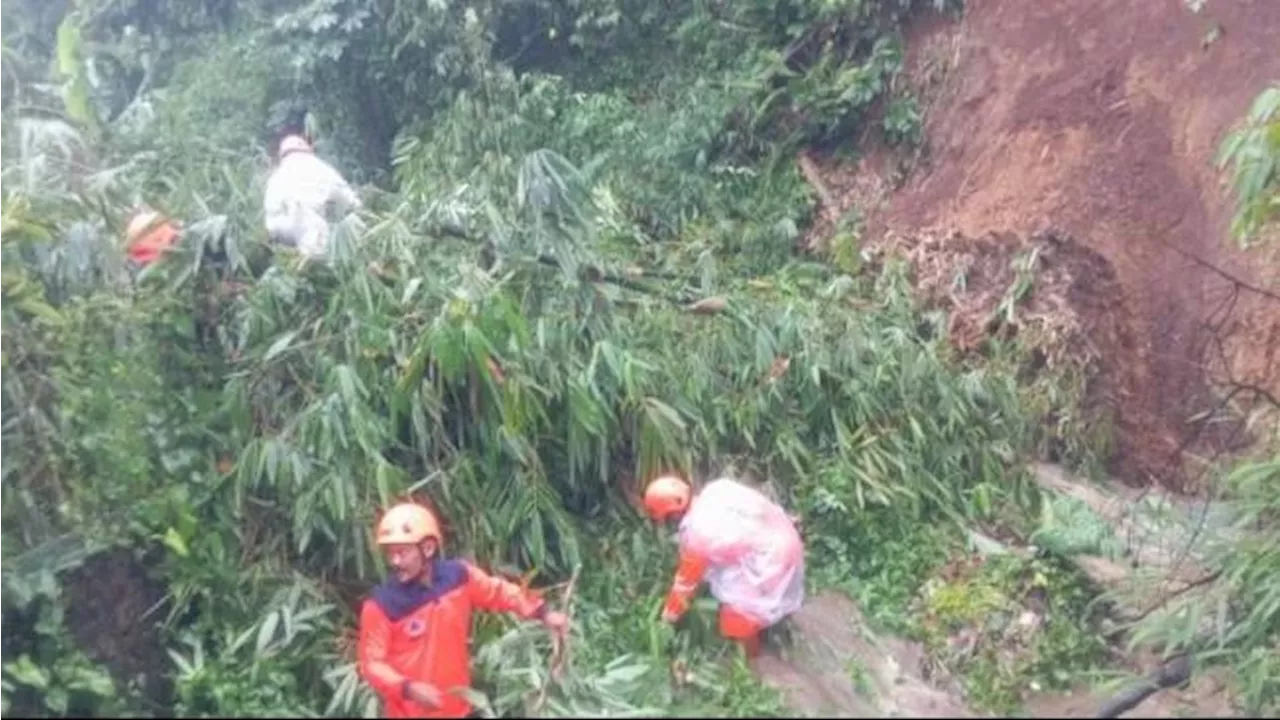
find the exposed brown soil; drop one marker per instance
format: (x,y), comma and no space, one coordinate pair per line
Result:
(113,613)
(1101,119)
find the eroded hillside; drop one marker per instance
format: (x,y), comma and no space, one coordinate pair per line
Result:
(1101,120)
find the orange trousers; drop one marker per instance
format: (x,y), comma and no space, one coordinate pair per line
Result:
(734,625)
(741,628)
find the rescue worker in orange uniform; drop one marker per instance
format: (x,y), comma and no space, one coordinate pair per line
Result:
(743,543)
(149,236)
(415,628)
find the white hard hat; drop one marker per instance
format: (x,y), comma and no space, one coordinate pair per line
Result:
(294,143)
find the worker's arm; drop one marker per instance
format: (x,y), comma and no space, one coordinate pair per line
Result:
(345,197)
(689,574)
(375,636)
(498,595)
(352,198)
(341,194)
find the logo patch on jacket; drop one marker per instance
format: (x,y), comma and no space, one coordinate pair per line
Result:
(416,627)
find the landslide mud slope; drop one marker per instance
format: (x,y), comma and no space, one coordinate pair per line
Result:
(1101,119)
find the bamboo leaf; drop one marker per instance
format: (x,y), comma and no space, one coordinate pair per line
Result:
(279,346)
(266,631)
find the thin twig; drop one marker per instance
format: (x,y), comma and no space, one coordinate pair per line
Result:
(560,648)
(594,274)
(1223,273)
(1162,602)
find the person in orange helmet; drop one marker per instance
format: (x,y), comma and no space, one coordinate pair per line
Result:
(415,628)
(148,236)
(743,543)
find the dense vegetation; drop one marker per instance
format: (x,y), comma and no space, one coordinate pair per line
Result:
(1252,152)
(508,331)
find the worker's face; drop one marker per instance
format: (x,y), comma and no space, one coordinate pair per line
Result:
(409,562)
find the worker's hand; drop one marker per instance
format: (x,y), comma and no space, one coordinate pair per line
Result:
(556,622)
(424,694)
(670,617)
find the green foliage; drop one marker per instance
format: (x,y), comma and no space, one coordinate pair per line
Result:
(1069,527)
(217,160)
(903,121)
(264,669)
(64,681)
(71,66)
(46,674)
(1236,622)
(882,561)
(24,295)
(1014,624)
(1253,152)
(624,659)
(506,335)
(349,384)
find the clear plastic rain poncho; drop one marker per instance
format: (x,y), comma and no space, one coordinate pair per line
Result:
(297,200)
(754,553)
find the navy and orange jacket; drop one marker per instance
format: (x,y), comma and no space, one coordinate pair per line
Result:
(423,632)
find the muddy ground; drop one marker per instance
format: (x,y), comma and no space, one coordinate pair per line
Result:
(834,666)
(1100,119)
(122,633)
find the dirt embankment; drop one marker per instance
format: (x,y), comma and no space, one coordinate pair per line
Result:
(1101,119)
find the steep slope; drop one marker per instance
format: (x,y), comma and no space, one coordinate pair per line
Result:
(1100,119)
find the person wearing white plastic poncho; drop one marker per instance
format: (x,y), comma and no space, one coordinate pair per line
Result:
(300,191)
(743,543)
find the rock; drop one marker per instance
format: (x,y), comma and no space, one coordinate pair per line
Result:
(830,639)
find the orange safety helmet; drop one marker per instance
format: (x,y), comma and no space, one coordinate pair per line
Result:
(666,496)
(408,524)
(148,235)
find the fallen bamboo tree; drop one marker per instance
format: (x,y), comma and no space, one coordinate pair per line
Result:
(1146,579)
(1158,563)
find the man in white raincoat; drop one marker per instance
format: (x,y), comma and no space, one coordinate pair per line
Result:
(743,543)
(299,192)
